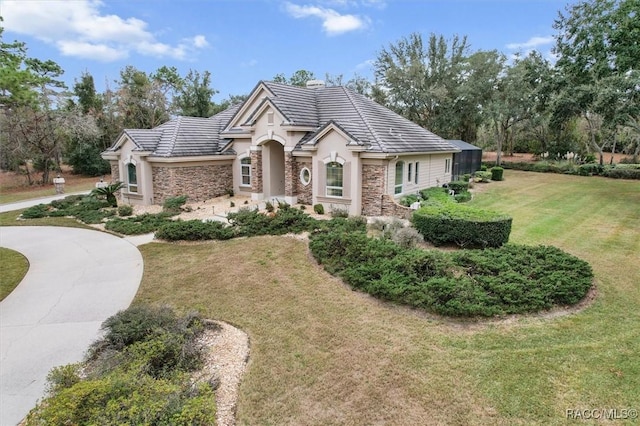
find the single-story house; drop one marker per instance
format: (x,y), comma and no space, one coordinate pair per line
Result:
(306,145)
(467,161)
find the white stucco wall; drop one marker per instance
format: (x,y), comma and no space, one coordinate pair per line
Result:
(144,196)
(333,145)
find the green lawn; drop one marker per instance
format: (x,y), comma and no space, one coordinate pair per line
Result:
(323,354)
(14,268)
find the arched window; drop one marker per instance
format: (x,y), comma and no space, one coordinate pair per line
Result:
(132,178)
(334,179)
(399,177)
(245,171)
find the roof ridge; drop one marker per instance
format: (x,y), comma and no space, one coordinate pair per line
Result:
(350,94)
(174,137)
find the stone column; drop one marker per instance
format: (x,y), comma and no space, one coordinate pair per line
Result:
(289,188)
(256,172)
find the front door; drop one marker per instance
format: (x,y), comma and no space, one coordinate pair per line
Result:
(273,169)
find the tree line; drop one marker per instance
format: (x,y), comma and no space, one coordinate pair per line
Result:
(584,100)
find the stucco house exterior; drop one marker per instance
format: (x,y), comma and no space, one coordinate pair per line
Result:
(305,145)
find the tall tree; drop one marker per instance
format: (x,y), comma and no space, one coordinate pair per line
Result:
(17,80)
(512,103)
(420,81)
(194,97)
(298,78)
(596,44)
(141,100)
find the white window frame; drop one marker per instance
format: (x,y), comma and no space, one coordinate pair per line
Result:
(415,173)
(409,172)
(338,190)
(244,166)
(305,176)
(447,165)
(132,186)
(397,189)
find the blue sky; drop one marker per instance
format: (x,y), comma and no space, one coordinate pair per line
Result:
(243,41)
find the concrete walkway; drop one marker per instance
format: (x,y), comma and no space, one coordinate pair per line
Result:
(77,278)
(18,205)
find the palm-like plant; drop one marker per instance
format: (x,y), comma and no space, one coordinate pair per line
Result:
(109,192)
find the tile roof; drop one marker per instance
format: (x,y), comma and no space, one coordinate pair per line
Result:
(184,136)
(371,125)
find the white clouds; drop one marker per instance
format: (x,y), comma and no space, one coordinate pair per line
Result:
(97,52)
(333,23)
(79,29)
(532,43)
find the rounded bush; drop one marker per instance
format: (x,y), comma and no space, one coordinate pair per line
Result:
(458,186)
(497,173)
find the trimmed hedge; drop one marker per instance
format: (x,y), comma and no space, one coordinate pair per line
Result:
(622,173)
(497,173)
(463,225)
(194,230)
(507,280)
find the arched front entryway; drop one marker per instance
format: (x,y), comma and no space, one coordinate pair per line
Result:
(273,169)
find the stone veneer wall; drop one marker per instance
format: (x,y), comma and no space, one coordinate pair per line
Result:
(304,193)
(391,208)
(196,182)
(373,184)
(256,172)
(289,175)
(115,172)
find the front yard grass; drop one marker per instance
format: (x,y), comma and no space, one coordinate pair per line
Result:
(323,354)
(14,268)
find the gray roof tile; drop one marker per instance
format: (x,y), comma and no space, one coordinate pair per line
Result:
(368,123)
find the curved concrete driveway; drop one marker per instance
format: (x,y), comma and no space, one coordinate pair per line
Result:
(77,278)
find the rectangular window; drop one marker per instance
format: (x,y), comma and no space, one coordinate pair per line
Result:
(415,176)
(245,172)
(447,165)
(132,178)
(399,177)
(334,179)
(409,172)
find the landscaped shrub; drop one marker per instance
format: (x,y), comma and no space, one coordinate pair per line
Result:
(36,212)
(622,173)
(251,222)
(482,176)
(174,204)
(406,237)
(463,225)
(458,186)
(589,169)
(136,225)
(338,211)
(139,373)
(407,200)
(435,195)
(318,208)
(87,209)
(497,173)
(463,197)
(466,177)
(125,210)
(194,230)
(506,280)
